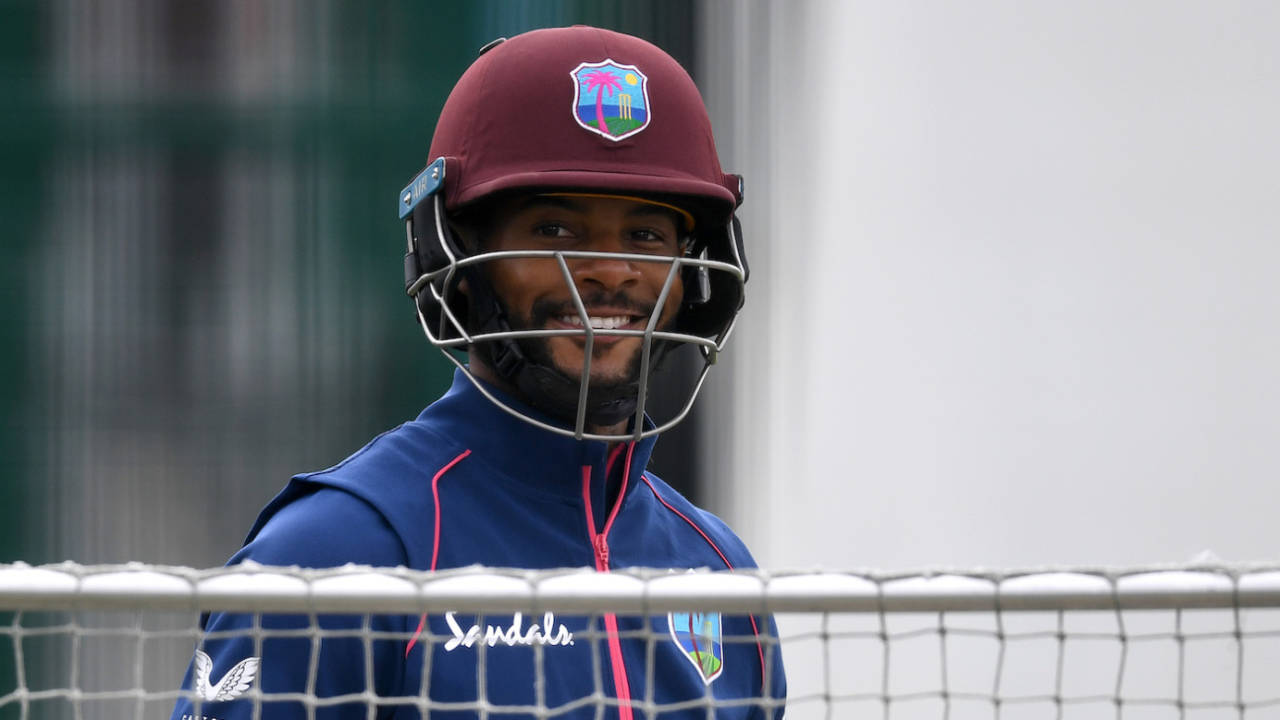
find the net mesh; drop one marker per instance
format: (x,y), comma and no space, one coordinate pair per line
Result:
(1156,642)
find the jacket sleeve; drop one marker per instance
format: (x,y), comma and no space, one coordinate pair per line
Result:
(291,657)
(774,680)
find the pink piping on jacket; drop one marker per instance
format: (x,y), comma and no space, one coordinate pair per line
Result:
(754,628)
(435,543)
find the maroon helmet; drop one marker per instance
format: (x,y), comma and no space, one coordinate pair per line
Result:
(573,110)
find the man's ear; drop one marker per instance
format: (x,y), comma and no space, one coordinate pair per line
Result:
(465,237)
(468,236)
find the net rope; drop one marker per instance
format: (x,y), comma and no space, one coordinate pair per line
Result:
(1177,641)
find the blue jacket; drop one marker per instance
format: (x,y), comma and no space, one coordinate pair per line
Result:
(466,483)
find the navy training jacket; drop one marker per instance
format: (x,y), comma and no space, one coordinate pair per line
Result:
(466,483)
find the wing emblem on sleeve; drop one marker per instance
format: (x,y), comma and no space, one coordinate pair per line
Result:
(231,686)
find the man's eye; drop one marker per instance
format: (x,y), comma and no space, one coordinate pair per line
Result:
(551,230)
(648,237)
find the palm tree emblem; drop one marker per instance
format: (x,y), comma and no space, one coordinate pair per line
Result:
(604,83)
(611,99)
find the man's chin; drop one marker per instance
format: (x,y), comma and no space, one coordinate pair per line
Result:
(600,378)
(604,371)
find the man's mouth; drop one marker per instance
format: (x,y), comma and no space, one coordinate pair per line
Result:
(600,322)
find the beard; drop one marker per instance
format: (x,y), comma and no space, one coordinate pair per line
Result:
(539,349)
(553,389)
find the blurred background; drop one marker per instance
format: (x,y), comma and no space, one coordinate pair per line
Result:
(1014,293)
(203,265)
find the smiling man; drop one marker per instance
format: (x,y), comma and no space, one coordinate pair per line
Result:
(615,292)
(572,230)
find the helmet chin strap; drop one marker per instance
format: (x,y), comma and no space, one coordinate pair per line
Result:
(546,388)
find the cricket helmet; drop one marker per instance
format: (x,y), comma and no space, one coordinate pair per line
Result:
(586,111)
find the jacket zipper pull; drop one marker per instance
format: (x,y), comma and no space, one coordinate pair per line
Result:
(602,551)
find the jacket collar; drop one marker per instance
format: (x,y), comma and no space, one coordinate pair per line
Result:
(522,450)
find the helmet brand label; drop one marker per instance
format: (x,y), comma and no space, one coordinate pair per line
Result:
(610,99)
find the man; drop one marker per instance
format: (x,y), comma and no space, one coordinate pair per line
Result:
(573,228)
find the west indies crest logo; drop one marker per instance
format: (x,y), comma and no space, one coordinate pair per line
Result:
(698,635)
(610,99)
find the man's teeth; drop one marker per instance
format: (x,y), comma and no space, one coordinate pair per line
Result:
(598,323)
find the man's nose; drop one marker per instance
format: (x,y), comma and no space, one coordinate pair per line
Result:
(609,271)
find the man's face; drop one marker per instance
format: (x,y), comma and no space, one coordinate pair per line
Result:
(617,293)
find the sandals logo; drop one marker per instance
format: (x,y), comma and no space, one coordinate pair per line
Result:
(515,634)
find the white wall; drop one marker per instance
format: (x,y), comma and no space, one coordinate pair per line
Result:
(1014,295)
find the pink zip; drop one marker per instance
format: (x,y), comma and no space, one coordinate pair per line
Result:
(600,544)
